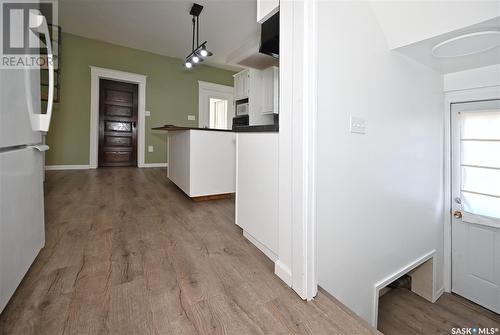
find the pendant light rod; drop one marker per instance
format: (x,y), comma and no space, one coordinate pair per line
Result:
(192,44)
(198,51)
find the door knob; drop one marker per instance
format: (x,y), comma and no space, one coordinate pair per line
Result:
(457,214)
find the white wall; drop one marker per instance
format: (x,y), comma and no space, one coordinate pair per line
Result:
(407,22)
(379,195)
(487,76)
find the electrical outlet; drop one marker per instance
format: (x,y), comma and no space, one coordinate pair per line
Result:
(150,148)
(148,113)
(191,118)
(358,125)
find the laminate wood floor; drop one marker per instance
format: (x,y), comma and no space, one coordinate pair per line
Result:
(128,253)
(403,312)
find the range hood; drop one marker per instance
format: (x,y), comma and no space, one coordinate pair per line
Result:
(248,56)
(270,36)
(260,51)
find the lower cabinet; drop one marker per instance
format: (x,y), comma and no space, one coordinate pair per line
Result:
(257,189)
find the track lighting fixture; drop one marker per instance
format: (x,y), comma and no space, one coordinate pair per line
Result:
(200,52)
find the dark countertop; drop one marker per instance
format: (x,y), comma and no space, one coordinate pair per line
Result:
(169,127)
(268,128)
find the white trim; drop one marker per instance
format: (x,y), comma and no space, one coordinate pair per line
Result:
(392,277)
(66,167)
(475,94)
(214,87)
(97,73)
(207,89)
(155,165)
(438,294)
(297,148)
(265,250)
(284,272)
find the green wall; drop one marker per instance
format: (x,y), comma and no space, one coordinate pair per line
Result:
(171,94)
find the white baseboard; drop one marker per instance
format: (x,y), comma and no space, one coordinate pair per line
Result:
(438,294)
(268,252)
(155,165)
(67,167)
(282,271)
(87,167)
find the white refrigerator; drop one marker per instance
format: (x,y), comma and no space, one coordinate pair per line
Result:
(21,171)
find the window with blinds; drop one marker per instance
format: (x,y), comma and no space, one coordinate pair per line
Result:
(480,162)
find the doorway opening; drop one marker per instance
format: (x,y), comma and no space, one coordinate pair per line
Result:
(216,105)
(96,74)
(118,113)
(218,116)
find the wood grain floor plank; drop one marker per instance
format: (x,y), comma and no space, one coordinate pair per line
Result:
(403,312)
(128,253)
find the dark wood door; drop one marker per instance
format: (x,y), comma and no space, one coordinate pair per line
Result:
(117,123)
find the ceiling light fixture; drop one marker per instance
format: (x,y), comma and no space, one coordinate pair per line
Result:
(467,44)
(199,52)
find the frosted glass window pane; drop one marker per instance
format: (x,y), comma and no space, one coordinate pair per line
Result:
(480,125)
(481,205)
(481,180)
(481,153)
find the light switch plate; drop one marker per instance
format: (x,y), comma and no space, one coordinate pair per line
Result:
(148,113)
(150,148)
(358,125)
(191,118)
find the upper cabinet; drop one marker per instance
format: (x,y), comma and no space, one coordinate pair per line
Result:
(266,9)
(270,90)
(261,93)
(241,85)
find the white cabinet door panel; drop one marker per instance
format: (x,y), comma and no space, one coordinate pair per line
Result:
(22,233)
(257,187)
(266,9)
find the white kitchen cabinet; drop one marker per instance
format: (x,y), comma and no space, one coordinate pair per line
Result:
(248,84)
(241,84)
(266,9)
(270,90)
(257,189)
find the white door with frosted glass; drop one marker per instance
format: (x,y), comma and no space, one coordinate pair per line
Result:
(476,202)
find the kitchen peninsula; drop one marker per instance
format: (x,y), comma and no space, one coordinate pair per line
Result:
(201,161)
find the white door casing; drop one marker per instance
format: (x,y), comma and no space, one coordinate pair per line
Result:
(97,73)
(475,195)
(296,264)
(208,90)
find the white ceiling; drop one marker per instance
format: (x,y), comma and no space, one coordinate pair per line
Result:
(163,26)
(422,51)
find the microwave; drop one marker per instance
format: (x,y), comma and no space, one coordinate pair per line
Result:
(241,107)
